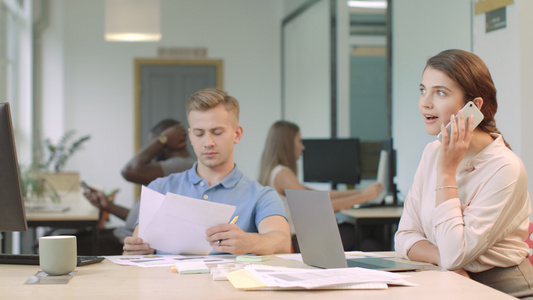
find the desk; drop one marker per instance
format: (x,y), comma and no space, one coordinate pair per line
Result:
(389,216)
(81,214)
(109,281)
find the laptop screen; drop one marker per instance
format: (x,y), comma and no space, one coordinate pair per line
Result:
(316,228)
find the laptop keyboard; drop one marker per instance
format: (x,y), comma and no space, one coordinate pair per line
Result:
(33,259)
(352,263)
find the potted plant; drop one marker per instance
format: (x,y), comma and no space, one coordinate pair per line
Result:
(35,188)
(59,153)
(57,156)
(43,180)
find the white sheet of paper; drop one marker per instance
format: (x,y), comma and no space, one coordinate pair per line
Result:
(314,278)
(150,203)
(147,261)
(178,225)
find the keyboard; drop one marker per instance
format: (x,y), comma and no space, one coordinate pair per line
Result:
(33,259)
(354,263)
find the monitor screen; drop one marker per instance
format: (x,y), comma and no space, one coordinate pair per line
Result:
(12,215)
(332,160)
(387,145)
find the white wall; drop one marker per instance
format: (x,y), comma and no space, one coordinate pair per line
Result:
(507,53)
(526,74)
(51,67)
(421,29)
(307,71)
(96,94)
(505,72)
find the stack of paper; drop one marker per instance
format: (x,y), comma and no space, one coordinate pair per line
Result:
(255,277)
(252,258)
(192,267)
(177,224)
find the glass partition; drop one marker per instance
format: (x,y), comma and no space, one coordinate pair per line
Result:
(336,73)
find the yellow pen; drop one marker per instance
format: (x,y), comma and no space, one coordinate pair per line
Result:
(232,222)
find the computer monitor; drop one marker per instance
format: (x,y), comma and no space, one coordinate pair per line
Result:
(387,145)
(332,161)
(12,214)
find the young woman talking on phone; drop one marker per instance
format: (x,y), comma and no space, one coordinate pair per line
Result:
(468,208)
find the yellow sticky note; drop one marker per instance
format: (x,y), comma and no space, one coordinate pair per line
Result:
(243,280)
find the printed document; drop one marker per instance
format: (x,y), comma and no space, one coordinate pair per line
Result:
(147,261)
(257,277)
(176,224)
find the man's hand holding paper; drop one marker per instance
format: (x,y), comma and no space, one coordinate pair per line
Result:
(230,238)
(178,224)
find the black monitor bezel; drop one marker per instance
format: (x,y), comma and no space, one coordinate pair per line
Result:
(12,212)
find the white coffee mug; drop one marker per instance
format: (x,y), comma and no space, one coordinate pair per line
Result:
(57,254)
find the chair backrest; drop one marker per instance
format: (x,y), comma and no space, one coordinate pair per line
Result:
(529,242)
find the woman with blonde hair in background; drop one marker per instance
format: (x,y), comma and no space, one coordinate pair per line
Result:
(282,150)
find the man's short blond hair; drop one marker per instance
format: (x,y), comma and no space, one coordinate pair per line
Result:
(206,99)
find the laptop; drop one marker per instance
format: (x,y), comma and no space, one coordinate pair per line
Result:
(319,238)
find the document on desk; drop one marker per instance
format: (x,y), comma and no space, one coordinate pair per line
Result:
(148,261)
(177,224)
(254,277)
(348,254)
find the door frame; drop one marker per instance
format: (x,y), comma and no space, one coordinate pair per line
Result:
(140,62)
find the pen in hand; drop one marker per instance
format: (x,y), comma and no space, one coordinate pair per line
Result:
(232,222)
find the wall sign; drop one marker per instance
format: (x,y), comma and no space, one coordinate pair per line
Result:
(495,19)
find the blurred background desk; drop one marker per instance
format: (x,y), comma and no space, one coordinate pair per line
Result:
(388,216)
(81,214)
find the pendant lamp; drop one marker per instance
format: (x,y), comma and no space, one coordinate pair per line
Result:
(132,20)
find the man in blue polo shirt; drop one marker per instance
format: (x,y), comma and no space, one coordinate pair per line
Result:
(262,226)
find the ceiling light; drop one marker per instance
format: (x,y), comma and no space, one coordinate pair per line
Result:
(368,4)
(132,20)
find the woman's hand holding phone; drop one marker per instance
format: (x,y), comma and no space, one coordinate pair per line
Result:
(454,146)
(470,109)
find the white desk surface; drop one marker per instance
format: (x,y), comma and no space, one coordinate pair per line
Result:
(79,210)
(109,281)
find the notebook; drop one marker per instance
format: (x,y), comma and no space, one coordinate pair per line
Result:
(318,235)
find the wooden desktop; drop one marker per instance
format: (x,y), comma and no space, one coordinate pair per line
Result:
(110,281)
(80,210)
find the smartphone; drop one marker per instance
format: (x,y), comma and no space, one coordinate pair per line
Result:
(470,109)
(85,186)
(88,189)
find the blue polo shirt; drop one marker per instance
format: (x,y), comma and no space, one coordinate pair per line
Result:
(253,201)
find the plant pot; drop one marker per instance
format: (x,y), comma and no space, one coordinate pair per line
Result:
(63,181)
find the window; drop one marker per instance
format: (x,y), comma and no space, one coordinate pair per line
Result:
(16,69)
